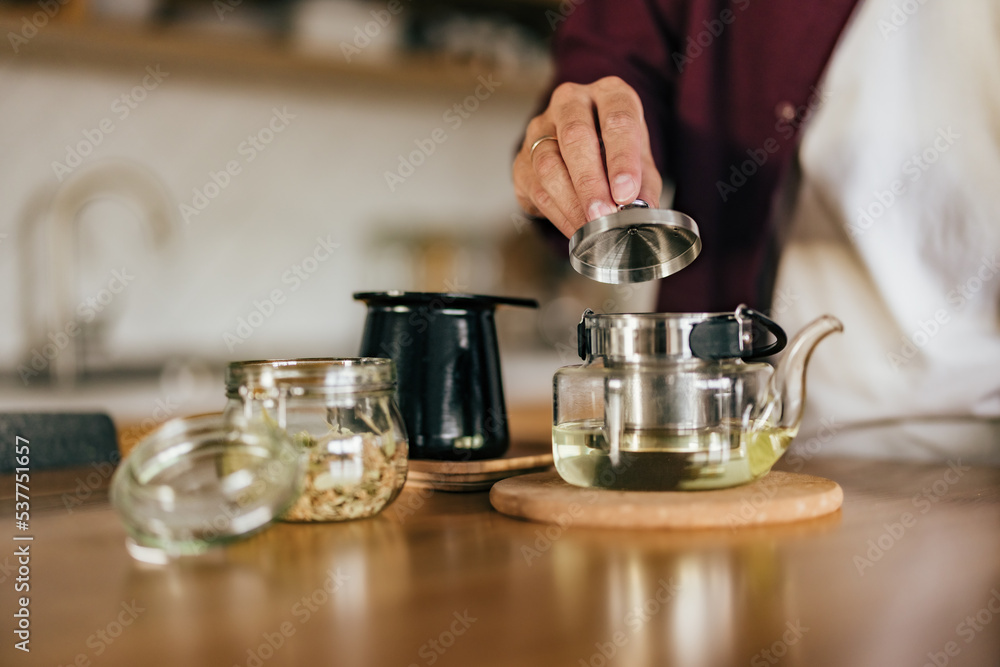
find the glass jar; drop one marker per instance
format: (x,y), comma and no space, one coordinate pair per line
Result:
(198,482)
(342,415)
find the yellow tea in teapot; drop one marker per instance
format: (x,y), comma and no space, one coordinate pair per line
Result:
(667,460)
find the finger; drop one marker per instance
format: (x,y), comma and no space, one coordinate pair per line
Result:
(548,209)
(532,197)
(651,188)
(622,129)
(524,182)
(573,112)
(554,179)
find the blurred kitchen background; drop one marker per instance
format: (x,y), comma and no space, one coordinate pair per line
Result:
(190,183)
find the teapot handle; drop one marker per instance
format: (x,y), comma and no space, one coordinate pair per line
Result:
(732,336)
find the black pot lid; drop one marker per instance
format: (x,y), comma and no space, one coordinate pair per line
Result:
(635,244)
(441,300)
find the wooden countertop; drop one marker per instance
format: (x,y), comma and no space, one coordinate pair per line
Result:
(909,567)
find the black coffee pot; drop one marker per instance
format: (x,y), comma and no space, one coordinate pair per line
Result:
(448,367)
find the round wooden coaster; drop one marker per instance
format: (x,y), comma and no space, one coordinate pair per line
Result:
(479,475)
(780,497)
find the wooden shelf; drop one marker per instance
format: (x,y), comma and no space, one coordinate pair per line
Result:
(110,44)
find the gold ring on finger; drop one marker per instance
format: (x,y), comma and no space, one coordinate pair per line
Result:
(547,137)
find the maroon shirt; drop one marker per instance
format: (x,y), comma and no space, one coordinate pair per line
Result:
(725,88)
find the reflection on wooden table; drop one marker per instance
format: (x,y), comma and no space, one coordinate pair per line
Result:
(442,579)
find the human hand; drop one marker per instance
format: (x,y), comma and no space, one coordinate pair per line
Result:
(565,179)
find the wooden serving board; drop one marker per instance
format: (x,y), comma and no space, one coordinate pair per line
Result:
(466,476)
(780,497)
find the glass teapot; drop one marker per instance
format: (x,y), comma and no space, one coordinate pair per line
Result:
(679,401)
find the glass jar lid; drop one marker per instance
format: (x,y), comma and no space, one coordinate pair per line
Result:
(318,376)
(198,482)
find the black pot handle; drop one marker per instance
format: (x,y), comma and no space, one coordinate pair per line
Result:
(737,336)
(583,336)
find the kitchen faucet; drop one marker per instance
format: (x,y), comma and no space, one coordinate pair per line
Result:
(52,219)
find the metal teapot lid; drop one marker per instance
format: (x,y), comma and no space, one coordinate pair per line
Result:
(744,334)
(635,244)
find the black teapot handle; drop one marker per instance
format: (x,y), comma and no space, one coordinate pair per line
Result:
(737,336)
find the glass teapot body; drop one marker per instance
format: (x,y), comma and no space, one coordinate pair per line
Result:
(670,402)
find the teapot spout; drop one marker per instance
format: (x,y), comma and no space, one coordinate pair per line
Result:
(788,384)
